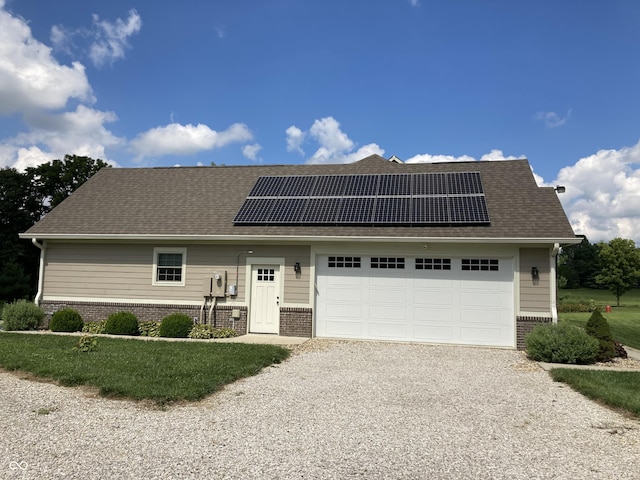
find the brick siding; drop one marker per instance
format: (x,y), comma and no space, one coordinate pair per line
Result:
(296,322)
(524,325)
(97,311)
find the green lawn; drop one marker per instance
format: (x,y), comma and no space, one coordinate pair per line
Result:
(624,321)
(159,371)
(620,390)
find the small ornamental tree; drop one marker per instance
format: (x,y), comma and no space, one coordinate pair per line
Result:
(598,328)
(620,266)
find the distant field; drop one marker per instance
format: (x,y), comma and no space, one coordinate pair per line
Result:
(604,297)
(624,321)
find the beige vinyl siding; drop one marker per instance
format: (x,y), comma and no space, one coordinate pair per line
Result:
(535,297)
(125,271)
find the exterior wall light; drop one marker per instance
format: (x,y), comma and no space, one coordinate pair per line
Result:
(297,268)
(535,275)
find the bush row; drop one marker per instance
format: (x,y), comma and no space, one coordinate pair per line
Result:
(175,326)
(564,343)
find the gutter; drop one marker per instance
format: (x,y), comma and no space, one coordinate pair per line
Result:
(303,238)
(553,284)
(43,252)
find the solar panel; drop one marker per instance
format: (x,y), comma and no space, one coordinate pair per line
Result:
(468,209)
(392,210)
(299,186)
(464,183)
(322,210)
(426,210)
(382,199)
(429,184)
(287,210)
(361,185)
(254,210)
(267,187)
(329,186)
(394,185)
(356,210)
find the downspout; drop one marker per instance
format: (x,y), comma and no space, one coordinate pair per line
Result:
(43,251)
(553,284)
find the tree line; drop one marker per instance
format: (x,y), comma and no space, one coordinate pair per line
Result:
(26,197)
(614,265)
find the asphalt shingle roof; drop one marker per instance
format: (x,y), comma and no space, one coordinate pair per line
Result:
(202,201)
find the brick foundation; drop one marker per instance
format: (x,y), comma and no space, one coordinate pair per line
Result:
(524,325)
(296,322)
(97,311)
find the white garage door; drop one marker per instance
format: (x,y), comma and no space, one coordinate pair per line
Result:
(443,300)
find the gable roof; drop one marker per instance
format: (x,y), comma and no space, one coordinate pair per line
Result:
(201,202)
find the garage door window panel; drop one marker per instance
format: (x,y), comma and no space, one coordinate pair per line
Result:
(480,264)
(433,264)
(387,262)
(344,262)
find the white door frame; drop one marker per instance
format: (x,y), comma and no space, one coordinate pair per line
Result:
(263,261)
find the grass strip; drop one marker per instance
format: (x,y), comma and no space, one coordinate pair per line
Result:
(160,371)
(620,390)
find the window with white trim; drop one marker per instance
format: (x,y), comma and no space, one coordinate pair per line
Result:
(387,262)
(169,266)
(480,264)
(433,264)
(344,262)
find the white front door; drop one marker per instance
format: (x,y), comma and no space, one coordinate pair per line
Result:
(265,299)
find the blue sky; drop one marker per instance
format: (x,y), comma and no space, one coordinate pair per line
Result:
(142,83)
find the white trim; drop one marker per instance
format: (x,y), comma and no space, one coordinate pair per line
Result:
(144,301)
(154,273)
(302,238)
(535,314)
(43,252)
(294,305)
(553,289)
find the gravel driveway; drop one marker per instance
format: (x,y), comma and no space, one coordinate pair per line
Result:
(346,410)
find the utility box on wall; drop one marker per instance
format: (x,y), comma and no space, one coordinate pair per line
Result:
(215,286)
(219,284)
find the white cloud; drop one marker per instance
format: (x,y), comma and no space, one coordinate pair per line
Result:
(30,78)
(79,132)
(602,197)
(251,151)
(177,139)
(414,3)
(493,155)
(334,146)
(295,137)
(552,119)
(112,38)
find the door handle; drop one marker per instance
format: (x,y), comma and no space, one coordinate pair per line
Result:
(277,300)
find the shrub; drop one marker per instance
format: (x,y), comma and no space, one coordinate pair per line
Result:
(121,323)
(224,333)
(22,315)
(149,329)
(598,327)
(86,343)
(176,325)
(562,343)
(67,320)
(94,327)
(201,331)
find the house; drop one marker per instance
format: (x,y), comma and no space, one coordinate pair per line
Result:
(457,253)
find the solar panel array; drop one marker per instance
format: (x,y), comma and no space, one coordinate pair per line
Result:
(383,199)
